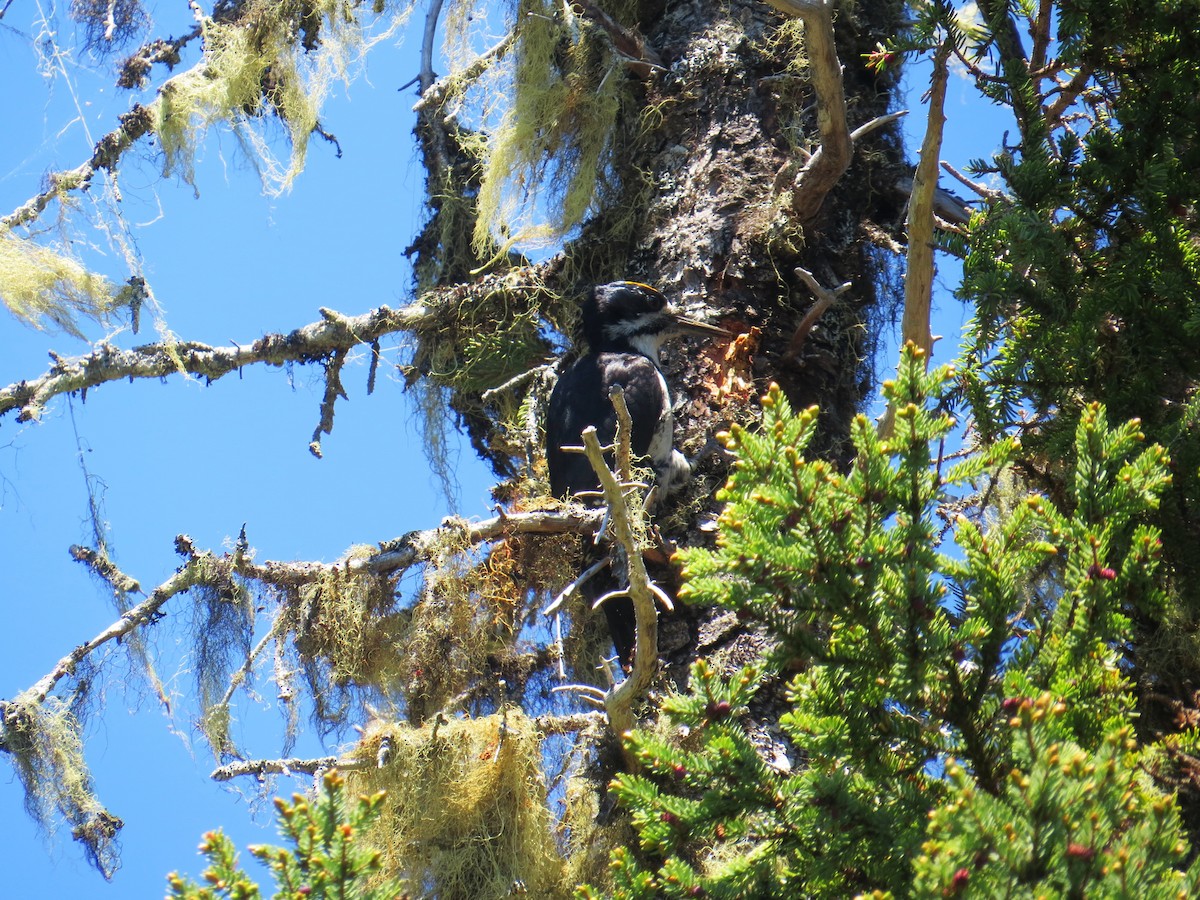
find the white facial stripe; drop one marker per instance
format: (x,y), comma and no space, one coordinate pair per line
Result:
(646,321)
(648,344)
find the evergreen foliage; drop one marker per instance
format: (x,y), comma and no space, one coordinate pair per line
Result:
(327,857)
(1083,269)
(956,706)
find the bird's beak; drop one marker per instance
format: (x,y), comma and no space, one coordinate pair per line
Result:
(682,326)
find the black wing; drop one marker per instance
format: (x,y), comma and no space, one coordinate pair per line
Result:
(581,399)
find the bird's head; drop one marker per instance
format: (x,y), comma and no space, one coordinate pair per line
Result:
(628,315)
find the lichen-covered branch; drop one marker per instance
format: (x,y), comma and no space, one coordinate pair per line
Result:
(393,557)
(139,615)
(316,342)
(333,390)
(134,125)
(546,725)
(292,766)
(311,343)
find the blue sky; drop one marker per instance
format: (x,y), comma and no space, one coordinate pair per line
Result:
(178,457)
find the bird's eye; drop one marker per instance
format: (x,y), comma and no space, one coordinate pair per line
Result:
(655,299)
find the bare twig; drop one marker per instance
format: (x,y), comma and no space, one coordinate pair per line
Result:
(566,593)
(878,122)
(825,299)
(619,701)
(623,441)
(513,383)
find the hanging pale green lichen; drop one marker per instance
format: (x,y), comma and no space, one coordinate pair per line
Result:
(46,746)
(38,285)
(546,160)
(465,809)
(347,635)
(256,67)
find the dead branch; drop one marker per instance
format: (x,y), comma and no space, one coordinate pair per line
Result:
(825,299)
(619,701)
(918,278)
(427,76)
(982,190)
(292,766)
(832,157)
(315,342)
(417,546)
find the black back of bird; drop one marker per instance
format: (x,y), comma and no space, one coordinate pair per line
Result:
(624,323)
